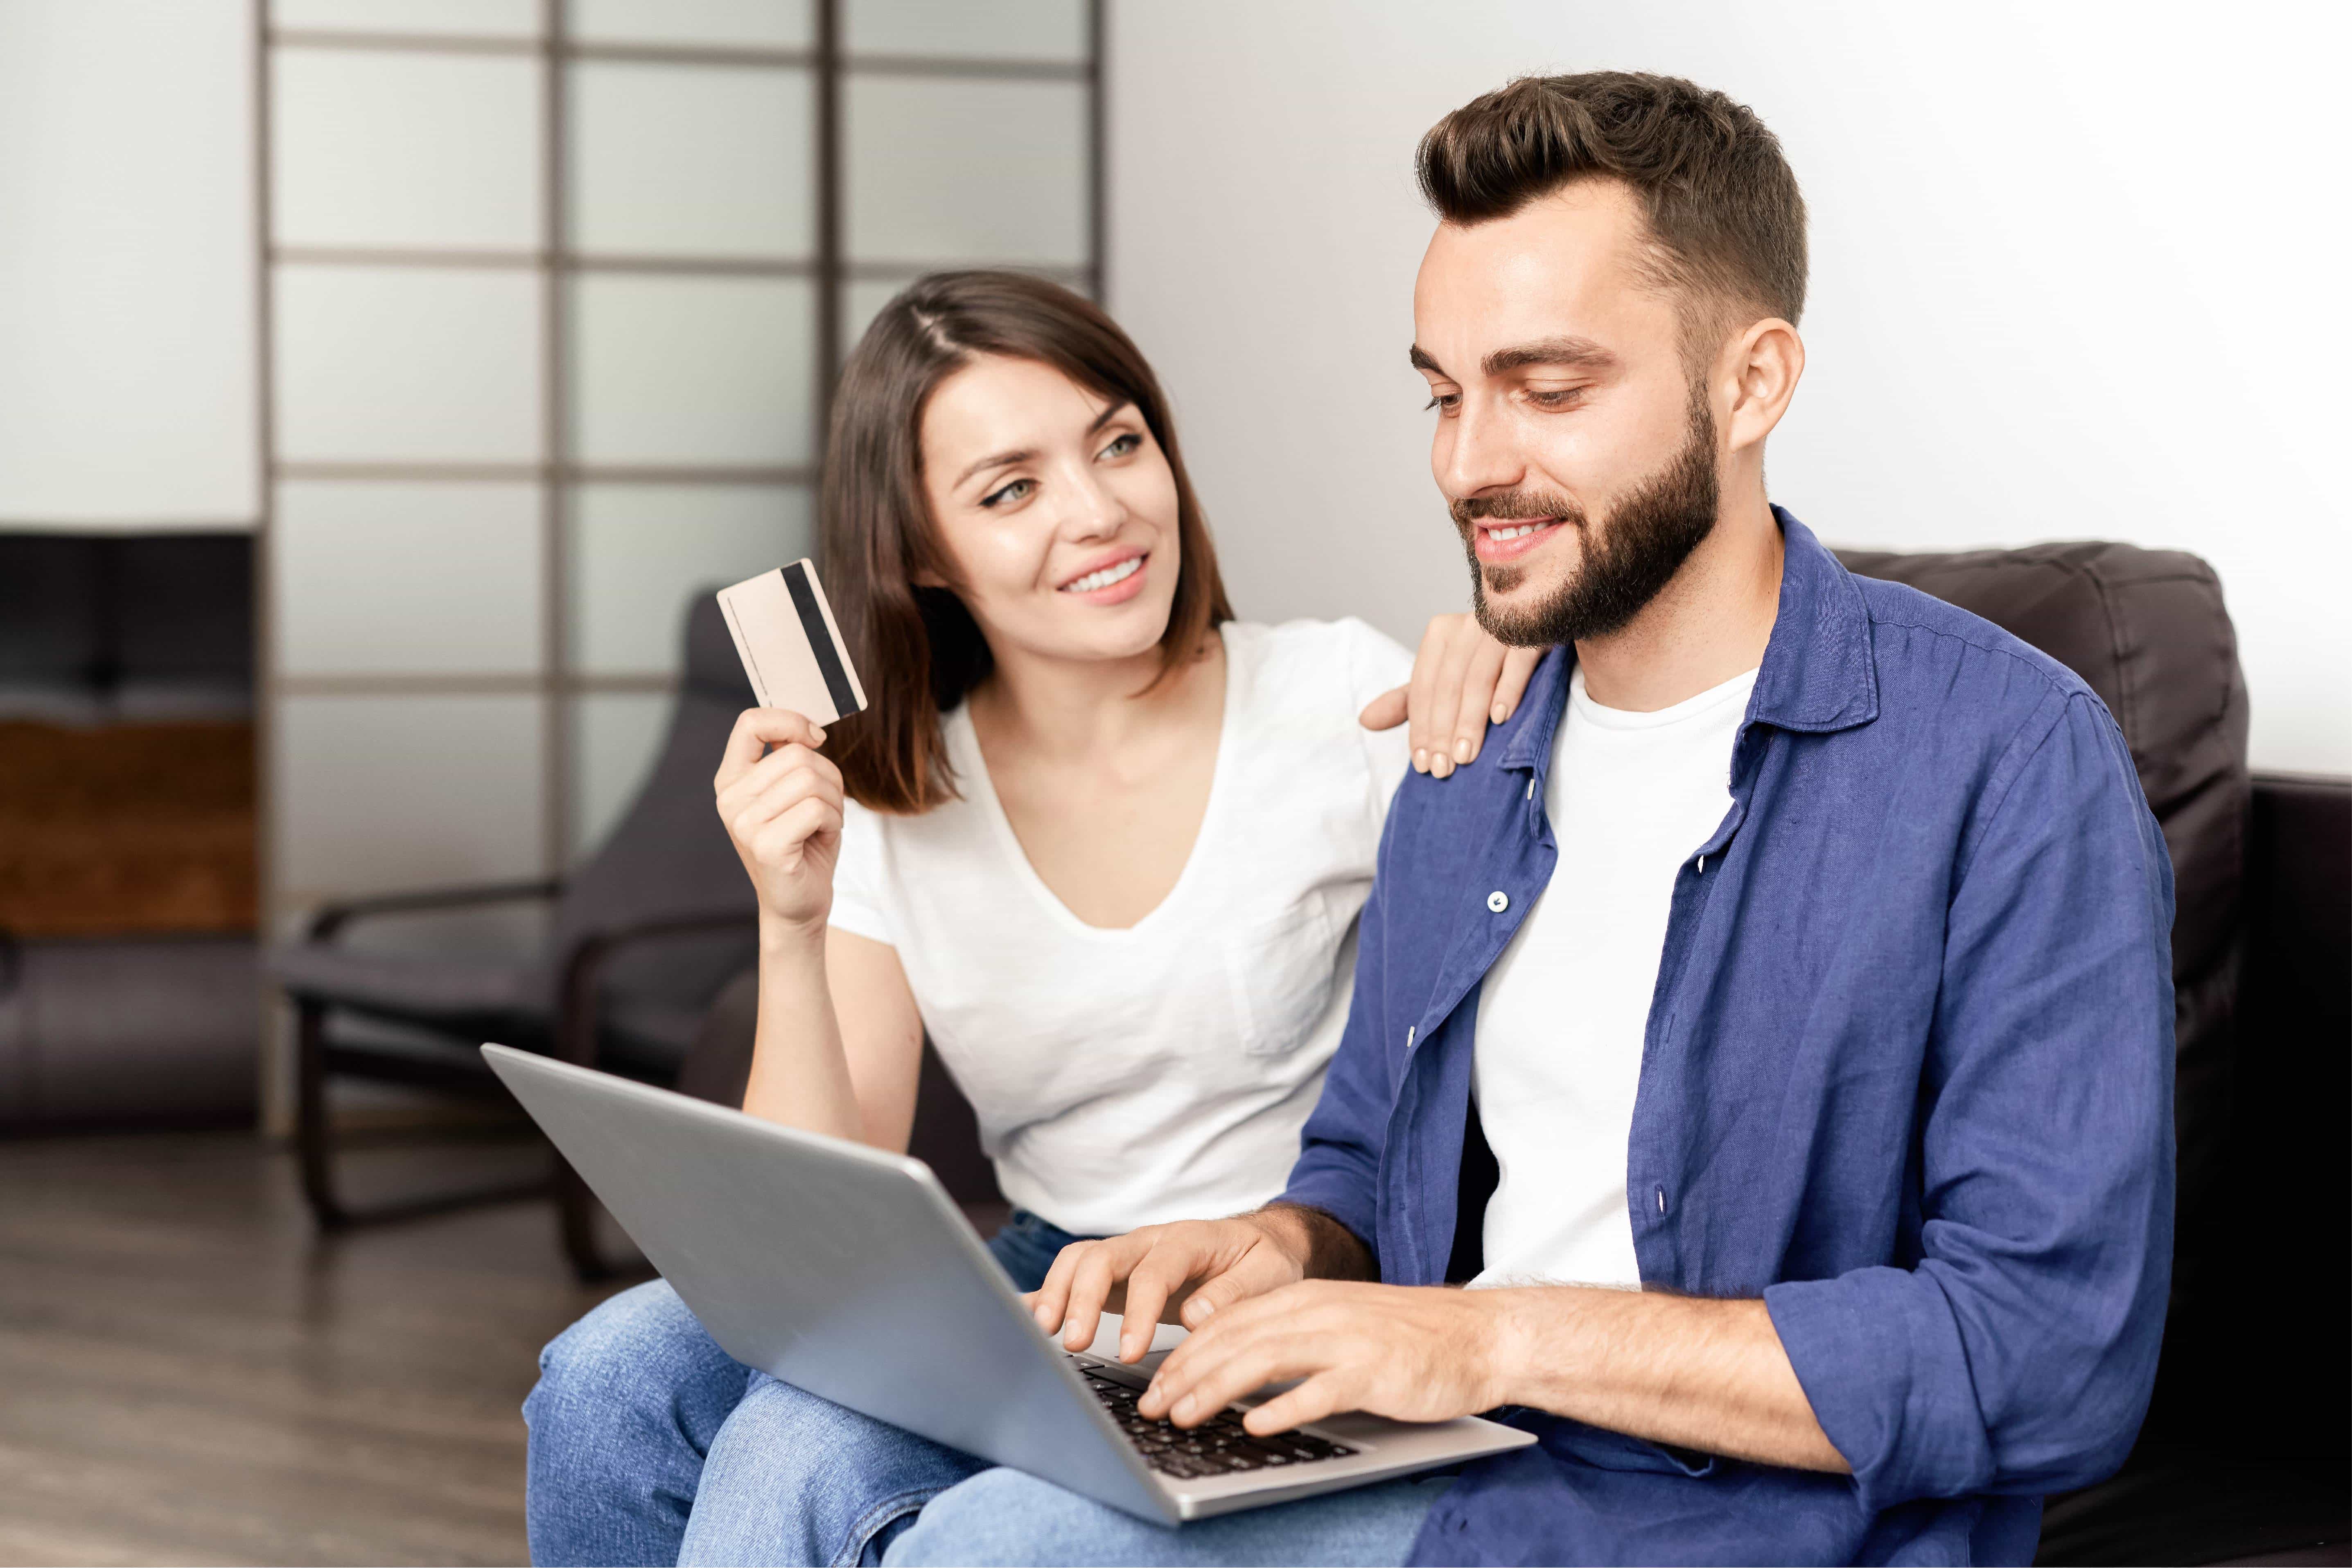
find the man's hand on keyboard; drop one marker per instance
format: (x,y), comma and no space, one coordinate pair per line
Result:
(1191,1268)
(1412,1354)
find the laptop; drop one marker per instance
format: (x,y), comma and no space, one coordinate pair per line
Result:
(851,1273)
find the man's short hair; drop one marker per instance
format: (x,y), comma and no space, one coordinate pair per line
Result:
(1726,220)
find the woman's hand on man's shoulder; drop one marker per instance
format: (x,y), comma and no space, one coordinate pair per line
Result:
(1462,681)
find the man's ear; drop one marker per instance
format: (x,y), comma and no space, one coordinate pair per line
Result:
(1762,366)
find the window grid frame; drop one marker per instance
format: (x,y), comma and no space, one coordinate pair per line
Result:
(560,475)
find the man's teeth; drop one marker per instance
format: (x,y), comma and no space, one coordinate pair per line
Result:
(1106,577)
(1500,535)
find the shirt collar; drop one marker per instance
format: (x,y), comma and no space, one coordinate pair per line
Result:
(1817,674)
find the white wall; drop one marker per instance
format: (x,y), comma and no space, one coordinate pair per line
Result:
(126,348)
(2077,273)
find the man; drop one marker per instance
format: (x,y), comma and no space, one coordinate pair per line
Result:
(1801,944)
(1799,948)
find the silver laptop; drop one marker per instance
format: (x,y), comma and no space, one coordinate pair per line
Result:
(850,1273)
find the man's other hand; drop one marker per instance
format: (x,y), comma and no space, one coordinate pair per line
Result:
(1411,1352)
(1462,681)
(1194,1267)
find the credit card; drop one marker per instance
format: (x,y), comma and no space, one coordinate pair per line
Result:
(791,648)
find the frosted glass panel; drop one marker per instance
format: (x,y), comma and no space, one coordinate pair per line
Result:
(371,577)
(378,793)
(693,160)
(973,29)
(373,148)
(393,363)
(693,369)
(614,738)
(979,170)
(756,23)
(493,19)
(640,553)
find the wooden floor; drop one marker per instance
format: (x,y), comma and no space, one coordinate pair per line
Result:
(188,1375)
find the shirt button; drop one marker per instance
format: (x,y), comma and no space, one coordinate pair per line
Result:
(1498,900)
(1409,1034)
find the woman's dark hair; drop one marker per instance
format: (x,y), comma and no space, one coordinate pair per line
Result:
(917,649)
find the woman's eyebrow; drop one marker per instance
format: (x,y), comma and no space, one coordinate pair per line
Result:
(1001,459)
(1006,460)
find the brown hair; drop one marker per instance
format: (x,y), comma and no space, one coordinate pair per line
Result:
(1726,220)
(917,649)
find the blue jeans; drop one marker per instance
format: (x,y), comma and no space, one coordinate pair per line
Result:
(648,1443)
(631,1398)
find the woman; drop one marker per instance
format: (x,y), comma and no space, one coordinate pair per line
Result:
(1103,843)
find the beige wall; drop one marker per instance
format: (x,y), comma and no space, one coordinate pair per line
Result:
(127,293)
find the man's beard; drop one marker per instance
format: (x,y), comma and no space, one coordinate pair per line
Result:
(1628,560)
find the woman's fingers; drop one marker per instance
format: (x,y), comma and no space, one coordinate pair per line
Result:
(1420,694)
(754,814)
(1477,697)
(1518,665)
(757,729)
(1460,643)
(1387,711)
(793,761)
(788,834)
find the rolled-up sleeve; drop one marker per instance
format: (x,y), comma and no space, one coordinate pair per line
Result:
(2017,1355)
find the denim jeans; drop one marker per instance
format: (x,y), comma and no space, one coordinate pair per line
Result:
(651,1445)
(632,1397)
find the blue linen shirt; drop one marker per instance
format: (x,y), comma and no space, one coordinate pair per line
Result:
(1907,1075)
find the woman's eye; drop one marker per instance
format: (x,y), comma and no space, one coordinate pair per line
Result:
(1017,491)
(1123,445)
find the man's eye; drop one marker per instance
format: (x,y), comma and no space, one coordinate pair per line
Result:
(1017,491)
(1123,445)
(1558,399)
(1448,401)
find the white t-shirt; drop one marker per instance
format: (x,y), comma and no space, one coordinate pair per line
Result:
(1560,1020)
(1161,1072)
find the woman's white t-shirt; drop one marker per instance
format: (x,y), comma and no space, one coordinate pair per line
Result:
(1160,1072)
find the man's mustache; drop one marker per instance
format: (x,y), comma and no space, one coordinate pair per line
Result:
(1514,504)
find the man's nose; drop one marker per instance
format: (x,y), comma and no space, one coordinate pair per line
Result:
(1481,455)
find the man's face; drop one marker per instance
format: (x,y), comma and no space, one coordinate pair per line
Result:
(1579,455)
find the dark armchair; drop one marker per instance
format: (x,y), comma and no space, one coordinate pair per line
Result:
(645,935)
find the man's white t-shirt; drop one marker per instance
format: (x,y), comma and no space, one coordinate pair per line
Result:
(1563,1015)
(1161,1072)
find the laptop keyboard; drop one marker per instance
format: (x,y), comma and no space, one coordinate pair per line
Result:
(1218,1446)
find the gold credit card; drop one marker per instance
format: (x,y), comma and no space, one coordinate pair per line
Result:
(784,632)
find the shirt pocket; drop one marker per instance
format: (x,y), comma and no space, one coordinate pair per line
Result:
(1281,972)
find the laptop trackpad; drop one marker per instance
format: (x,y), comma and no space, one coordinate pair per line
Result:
(1164,1337)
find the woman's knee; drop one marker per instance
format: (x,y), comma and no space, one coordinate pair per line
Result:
(1002,1516)
(642,1348)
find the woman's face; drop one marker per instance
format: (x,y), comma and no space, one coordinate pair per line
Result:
(1057,508)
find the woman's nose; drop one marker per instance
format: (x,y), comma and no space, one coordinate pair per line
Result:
(1094,512)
